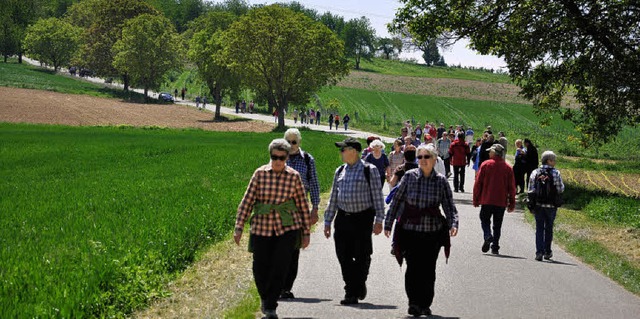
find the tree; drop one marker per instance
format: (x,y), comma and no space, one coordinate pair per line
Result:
(359,39)
(52,41)
(386,47)
(335,22)
(16,16)
(205,51)
(148,49)
(9,36)
(588,49)
(284,56)
(109,17)
(430,52)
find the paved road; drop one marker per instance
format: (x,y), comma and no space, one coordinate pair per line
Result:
(471,285)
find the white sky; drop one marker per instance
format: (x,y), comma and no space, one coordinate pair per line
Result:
(381,12)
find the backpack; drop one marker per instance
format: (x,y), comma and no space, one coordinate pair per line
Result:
(545,190)
(367,173)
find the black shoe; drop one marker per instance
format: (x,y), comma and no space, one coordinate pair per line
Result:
(539,257)
(462,190)
(363,292)
(286,295)
(455,190)
(349,301)
(486,244)
(495,251)
(414,311)
(548,255)
(270,314)
(426,311)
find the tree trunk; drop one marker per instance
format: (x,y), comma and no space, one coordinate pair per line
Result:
(20,58)
(217,97)
(125,82)
(281,108)
(357,62)
(5,58)
(146,98)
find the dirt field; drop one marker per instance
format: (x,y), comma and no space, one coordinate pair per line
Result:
(34,106)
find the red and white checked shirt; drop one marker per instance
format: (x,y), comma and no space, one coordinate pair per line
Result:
(269,187)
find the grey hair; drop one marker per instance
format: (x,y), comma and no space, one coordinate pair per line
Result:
(375,143)
(293,132)
(279,144)
(547,156)
(430,148)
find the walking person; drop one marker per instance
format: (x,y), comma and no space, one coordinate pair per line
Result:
(198,101)
(305,165)
(175,94)
(495,190)
(520,166)
(182,93)
(277,210)
(531,157)
(379,159)
(420,228)
(318,117)
(545,189)
(295,116)
(331,122)
(336,120)
(357,204)
(443,145)
(459,151)
(345,120)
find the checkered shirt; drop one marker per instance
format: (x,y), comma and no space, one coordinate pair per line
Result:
(310,180)
(557,181)
(269,187)
(424,192)
(351,192)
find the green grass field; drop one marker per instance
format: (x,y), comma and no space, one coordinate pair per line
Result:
(27,76)
(97,220)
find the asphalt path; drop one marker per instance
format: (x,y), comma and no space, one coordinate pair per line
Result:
(471,285)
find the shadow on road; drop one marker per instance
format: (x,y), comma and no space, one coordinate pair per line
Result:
(555,262)
(304,300)
(504,256)
(370,306)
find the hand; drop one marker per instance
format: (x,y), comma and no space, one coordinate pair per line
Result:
(387,233)
(453,232)
(377,228)
(314,216)
(327,231)
(237,236)
(305,241)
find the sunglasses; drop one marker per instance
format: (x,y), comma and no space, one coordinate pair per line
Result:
(278,158)
(294,142)
(423,156)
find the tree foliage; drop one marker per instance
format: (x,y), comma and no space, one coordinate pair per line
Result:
(105,28)
(52,41)
(334,22)
(284,56)
(148,49)
(587,49)
(205,51)
(16,16)
(359,39)
(180,12)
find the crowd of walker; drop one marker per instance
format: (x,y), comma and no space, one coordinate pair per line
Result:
(276,205)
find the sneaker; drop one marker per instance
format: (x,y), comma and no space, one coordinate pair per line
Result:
(286,295)
(363,292)
(414,311)
(548,255)
(486,244)
(539,257)
(494,251)
(270,314)
(349,301)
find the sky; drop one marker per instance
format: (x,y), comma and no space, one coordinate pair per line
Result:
(381,12)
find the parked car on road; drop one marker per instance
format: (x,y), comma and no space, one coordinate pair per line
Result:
(165,97)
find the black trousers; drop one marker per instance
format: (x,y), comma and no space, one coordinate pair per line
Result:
(271,258)
(518,174)
(447,165)
(293,271)
(421,251)
(352,237)
(458,177)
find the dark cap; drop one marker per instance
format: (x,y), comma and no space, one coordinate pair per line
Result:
(350,142)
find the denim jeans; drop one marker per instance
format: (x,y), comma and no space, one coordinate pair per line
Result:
(497,212)
(544,228)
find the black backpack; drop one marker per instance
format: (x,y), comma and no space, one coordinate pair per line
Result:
(545,190)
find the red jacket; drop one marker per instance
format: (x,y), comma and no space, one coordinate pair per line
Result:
(459,151)
(495,184)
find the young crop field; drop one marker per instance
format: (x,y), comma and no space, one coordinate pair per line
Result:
(96,220)
(384,112)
